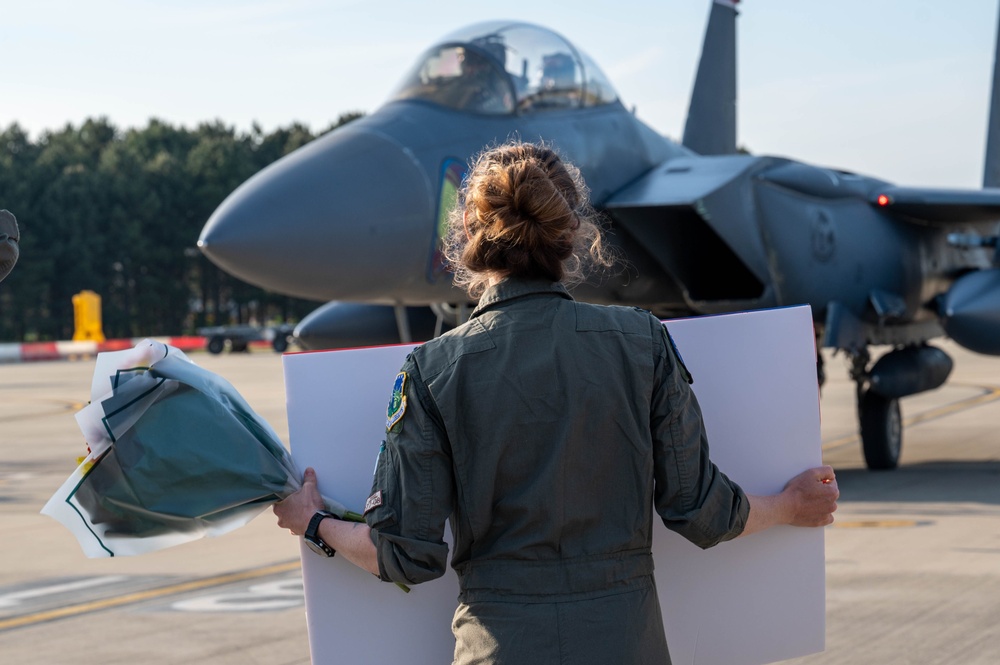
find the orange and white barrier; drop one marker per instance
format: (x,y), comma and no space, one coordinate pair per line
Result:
(32,351)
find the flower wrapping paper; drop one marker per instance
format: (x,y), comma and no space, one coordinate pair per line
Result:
(175,454)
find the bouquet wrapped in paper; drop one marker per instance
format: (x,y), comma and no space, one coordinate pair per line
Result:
(175,454)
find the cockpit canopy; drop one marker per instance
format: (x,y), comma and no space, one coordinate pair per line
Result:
(504,67)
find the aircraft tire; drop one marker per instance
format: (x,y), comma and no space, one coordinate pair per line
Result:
(216,344)
(280,343)
(881,431)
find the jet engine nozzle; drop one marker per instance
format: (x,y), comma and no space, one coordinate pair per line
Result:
(970,311)
(331,217)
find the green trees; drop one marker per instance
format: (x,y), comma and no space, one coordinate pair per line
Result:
(119,213)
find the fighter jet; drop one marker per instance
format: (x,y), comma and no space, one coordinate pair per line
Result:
(356,217)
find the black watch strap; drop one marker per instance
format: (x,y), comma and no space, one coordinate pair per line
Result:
(312,537)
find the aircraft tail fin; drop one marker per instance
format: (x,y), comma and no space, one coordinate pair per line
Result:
(991,168)
(711,121)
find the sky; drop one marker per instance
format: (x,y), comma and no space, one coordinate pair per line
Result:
(888,88)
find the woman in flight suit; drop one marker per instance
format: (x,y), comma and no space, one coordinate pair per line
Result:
(547,431)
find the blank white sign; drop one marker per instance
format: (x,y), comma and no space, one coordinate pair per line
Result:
(750,601)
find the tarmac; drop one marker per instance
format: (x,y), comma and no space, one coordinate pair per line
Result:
(913,561)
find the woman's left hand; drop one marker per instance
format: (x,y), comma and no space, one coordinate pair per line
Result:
(297,509)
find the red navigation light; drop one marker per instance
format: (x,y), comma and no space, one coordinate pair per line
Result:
(883,200)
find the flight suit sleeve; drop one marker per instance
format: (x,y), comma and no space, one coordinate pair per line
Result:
(413,488)
(692,496)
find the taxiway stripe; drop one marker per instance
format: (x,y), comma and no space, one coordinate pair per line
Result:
(11,599)
(66,405)
(990,394)
(149,594)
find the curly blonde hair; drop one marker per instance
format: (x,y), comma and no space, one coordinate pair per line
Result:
(523,212)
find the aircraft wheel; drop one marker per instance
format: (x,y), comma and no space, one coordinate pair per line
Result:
(881,430)
(280,343)
(216,344)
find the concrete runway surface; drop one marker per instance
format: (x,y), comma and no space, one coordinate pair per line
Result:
(913,562)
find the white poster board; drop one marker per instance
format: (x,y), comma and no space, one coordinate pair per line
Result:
(751,601)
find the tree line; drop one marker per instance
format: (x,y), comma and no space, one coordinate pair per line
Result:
(119,212)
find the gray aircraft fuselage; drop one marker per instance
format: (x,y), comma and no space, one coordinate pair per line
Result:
(354,216)
(357,216)
(359,208)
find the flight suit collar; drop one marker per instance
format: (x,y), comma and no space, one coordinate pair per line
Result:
(511,289)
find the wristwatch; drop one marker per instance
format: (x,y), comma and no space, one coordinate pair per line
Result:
(313,540)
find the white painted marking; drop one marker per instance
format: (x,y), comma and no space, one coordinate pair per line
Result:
(20,476)
(15,598)
(277,595)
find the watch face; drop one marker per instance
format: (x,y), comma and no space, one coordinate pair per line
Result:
(316,548)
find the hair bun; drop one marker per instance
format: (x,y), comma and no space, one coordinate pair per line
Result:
(525,215)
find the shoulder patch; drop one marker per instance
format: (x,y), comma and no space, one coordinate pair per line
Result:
(685,373)
(397,403)
(373,502)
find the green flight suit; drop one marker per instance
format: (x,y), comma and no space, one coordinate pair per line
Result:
(547,431)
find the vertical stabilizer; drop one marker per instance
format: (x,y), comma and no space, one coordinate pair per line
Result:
(991,169)
(711,121)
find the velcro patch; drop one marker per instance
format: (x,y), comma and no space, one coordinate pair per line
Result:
(373,502)
(397,403)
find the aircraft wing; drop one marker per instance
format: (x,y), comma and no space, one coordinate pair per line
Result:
(939,206)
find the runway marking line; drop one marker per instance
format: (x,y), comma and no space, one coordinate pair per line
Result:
(148,594)
(990,394)
(64,406)
(12,599)
(878,524)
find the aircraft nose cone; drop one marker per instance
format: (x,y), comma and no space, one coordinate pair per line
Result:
(348,215)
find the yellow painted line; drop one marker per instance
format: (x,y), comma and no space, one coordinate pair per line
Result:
(840,441)
(140,596)
(63,407)
(990,394)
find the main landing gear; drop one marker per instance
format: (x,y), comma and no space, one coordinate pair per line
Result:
(879,416)
(902,371)
(881,430)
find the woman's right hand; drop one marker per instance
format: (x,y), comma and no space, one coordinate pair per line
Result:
(295,511)
(811,497)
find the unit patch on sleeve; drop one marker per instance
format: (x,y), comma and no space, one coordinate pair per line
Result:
(397,403)
(680,361)
(373,502)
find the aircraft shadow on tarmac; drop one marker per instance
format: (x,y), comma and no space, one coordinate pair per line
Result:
(925,482)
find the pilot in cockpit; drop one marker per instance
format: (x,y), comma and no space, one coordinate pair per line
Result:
(558,86)
(558,72)
(485,89)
